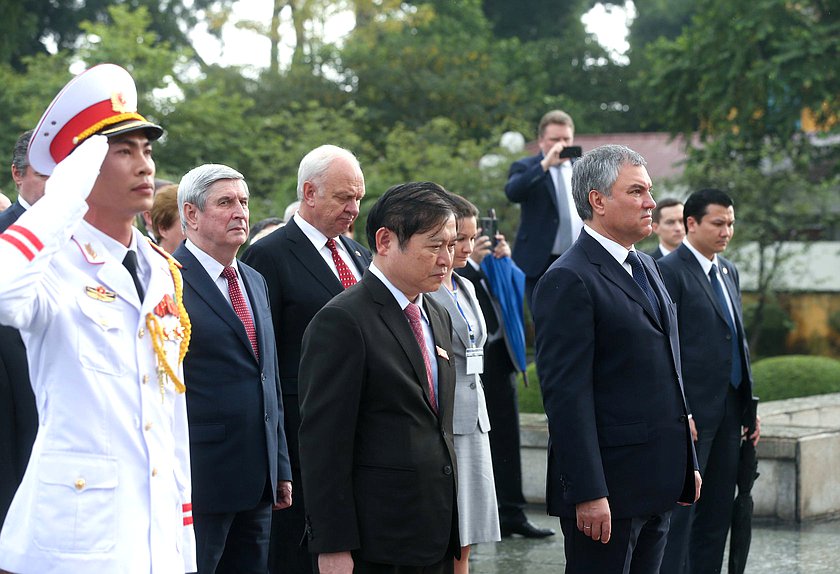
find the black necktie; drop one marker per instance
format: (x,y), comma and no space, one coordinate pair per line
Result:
(640,277)
(130,263)
(735,376)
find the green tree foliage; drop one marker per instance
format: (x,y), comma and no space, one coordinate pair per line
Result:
(30,26)
(742,73)
(422,62)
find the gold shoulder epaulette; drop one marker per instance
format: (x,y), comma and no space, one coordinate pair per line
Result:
(164,253)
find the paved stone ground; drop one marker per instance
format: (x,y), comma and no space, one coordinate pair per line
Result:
(812,548)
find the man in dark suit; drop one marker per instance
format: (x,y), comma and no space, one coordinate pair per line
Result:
(377,392)
(302,273)
(541,185)
(620,451)
(19,422)
(500,391)
(717,376)
(238,449)
(668,226)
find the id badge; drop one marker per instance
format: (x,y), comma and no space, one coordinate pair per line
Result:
(475,361)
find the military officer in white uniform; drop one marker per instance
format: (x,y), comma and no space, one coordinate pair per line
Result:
(107,489)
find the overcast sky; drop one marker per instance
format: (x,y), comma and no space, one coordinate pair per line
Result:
(243,48)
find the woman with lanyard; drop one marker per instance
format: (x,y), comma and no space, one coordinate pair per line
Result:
(477,510)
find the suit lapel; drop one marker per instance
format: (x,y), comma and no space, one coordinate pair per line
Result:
(396,322)
(696,271)
(459,324)
(195,275)
(446,384)
(356,255)
(258,301)
(548,180)
(308,256)
(614,272)
(108,271)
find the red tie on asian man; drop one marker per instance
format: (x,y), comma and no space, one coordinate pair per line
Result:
(412,311)
(241,309)
(344,274)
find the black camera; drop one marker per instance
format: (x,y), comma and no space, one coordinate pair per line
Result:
(571,151)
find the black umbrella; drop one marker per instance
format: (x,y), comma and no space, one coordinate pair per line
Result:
(740,535)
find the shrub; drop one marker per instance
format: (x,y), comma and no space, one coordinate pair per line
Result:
(530,397)
(792,376)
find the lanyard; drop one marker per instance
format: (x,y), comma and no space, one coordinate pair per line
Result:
(454,294)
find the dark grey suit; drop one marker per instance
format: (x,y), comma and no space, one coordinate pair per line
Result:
(718,409)
(299,284)
(378,463)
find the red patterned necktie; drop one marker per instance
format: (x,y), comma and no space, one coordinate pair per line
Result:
(412,311)
(241,309)
(344,274)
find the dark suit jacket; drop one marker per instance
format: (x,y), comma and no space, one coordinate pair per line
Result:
(237,443)
(656,253)
(299,284)
(705,344)
(533,189)
(609,369)
(18,417)
(378,464)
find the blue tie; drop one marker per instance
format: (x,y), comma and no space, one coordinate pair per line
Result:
(640,277)
(735,376)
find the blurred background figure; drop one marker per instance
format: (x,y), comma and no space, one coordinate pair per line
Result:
(165,220)
(263,227)
(5,202)
(668,226)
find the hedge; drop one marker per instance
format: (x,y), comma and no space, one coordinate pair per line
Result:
(775,378)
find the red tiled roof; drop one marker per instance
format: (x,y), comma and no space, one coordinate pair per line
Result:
(664,154)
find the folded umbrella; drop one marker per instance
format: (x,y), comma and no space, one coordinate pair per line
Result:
(507,282)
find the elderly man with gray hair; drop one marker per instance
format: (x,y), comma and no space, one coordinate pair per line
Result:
(306,263)
(237,444)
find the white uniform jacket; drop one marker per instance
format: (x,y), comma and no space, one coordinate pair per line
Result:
(107,489)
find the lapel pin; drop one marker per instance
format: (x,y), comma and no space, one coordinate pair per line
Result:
(725,270)
(357,253)
(442,352)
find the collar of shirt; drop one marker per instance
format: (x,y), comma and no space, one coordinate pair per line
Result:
(664,250)
(25,204)
(318,239)
(214,268)
(402,300)
(705,263)
(618,252)
(118,250)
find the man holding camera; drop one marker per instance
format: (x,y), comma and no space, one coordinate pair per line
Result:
(542,185)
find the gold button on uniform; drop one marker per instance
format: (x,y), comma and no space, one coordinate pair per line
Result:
(80,483)
(141,332)
(148,426)
(154,471)
(145,379)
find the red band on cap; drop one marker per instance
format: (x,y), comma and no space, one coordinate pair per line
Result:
(62,144)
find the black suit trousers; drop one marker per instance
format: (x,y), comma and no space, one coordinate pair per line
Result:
(636,546)
(698,533)
(286,555)
(234,542)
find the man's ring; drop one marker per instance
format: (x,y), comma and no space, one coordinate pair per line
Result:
(586,527)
